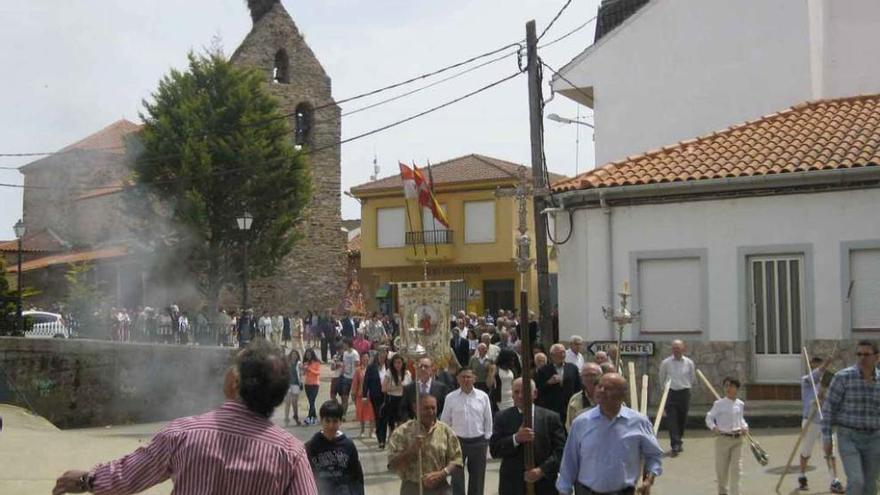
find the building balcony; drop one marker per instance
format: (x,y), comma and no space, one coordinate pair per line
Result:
(430,245)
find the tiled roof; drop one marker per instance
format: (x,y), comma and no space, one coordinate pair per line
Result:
(613,13)
(821,135)
(41,241)
(110,139)
(464,169)
(73,257)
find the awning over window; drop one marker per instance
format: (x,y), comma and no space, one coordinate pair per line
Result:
(382,292)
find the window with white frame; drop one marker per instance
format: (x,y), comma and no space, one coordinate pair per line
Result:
(864,289)
(479,222)
(390,227)
(670,295)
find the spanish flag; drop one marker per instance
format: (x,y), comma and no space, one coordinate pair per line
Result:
(427,198)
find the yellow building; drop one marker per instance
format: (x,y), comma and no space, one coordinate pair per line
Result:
(399,243)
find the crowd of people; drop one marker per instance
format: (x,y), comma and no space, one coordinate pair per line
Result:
(440,421)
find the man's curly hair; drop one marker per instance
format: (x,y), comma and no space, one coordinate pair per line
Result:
(263,376)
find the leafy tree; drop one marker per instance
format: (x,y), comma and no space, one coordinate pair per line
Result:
(215,144)
(8,298)
(85,303)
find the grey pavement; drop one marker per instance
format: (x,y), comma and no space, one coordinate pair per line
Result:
(33,453)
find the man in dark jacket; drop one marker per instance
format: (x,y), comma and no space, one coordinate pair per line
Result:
(547,435)
(460,346)
(557,382)
(327,328)
(348,327)
(426,385)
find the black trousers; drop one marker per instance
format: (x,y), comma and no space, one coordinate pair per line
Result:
(381,419)
(677,405)
(326,345)
(312,394)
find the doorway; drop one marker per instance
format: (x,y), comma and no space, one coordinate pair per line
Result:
(498,294)
(777,317)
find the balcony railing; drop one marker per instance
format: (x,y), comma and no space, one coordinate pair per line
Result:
(429,237)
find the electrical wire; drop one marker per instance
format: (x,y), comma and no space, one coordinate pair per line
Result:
(560,76)
(565,6)
(566,35)
(449,78)
(315,150)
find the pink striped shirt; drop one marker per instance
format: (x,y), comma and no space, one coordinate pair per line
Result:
(229,450)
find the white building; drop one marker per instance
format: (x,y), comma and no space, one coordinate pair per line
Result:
(662,71)
(752,242)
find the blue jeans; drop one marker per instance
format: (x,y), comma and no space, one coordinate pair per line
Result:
(860,454)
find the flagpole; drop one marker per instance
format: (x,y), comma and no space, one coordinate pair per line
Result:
(422,222)
(409,221)
(433,219)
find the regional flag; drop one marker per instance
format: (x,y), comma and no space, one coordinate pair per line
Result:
(427,199)
(410,181)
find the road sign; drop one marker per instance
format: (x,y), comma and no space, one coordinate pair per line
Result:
(627,347)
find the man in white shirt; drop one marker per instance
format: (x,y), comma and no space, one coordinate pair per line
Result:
(726,420)
(573,353)
(469,413)
(350,359)
(680,371)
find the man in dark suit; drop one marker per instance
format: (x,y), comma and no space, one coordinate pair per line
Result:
(557,382)
(347,327)
(427,385)
(547,435)
(460,346)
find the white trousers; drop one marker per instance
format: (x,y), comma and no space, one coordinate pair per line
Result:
(728,464)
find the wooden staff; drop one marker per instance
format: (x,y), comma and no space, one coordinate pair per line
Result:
(813,383)
(526,349)
(795,449)
(757,450)
(662,406)
(633,393)
(643,405)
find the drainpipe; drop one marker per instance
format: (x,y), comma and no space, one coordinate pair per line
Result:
(610,264)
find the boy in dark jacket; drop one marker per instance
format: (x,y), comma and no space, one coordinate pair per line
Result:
(333,456)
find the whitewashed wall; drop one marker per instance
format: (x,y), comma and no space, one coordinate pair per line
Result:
(679,69)
(720,232)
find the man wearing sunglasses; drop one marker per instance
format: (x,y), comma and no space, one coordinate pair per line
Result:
(853,406)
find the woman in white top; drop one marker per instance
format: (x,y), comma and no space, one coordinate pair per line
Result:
(502,393)
(726,420)
(396,378)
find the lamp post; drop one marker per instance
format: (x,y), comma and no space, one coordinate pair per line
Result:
(577,136)
(564,120)
(19,229)
(244,222)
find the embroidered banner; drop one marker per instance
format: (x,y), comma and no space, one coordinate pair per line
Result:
(424,317)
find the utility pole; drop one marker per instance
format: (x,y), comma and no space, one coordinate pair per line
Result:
(537,134)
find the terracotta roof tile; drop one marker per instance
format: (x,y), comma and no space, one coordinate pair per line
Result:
(821,135)
(72,257)
(41,241)
(464,169)
(110,139)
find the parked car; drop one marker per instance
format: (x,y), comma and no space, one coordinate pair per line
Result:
(46,325)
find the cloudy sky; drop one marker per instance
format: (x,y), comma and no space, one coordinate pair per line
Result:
(75,66)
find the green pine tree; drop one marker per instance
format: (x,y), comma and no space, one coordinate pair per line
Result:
(215,144)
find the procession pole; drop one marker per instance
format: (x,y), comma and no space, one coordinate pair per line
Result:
(643,404)
(795,449)
(633,392)
(661,407)
(528,447)
(813,383)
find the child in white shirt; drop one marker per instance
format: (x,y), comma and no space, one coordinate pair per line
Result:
(726,420)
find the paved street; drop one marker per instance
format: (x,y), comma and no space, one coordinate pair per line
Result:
(33,453)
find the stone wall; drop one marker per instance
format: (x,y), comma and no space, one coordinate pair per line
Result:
(84,383)
(720,359)
(313,275)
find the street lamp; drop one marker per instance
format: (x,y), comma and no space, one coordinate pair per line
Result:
(244,224)
(19,230)
(564,120)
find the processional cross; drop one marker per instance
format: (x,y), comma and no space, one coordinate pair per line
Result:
(524,191)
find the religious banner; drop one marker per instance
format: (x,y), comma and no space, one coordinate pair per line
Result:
(424,317)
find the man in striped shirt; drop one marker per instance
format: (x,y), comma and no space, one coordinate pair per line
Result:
(233,449)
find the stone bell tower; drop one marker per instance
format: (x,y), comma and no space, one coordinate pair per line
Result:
(312,276)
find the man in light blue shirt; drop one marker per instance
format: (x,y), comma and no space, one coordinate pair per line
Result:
(607,445)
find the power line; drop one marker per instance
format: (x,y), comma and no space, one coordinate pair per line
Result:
(315,150)
(560,76)
(458,74)
(567,3)
(566,35)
